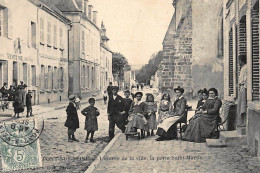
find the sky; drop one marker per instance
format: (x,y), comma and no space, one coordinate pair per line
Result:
(136,28)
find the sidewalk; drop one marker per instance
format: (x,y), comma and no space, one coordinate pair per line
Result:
(149,155)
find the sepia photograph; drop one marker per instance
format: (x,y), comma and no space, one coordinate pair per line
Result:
(118,86)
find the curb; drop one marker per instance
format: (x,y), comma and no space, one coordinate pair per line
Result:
(94,164)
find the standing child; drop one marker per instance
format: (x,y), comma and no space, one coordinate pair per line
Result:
(72,121)
(91,124)
(29,103)
(128,103)
(105,97)
(151,109)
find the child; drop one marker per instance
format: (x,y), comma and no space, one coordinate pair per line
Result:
(128,103)
(91,124)
(72,121)
(105,97)
(165,107)
(29,103)
(151,109)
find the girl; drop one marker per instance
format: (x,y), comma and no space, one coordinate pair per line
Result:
(151,109)
(105,97)
(165,107)
(137,115)
(91,124)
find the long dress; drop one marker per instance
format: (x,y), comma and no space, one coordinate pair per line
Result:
(151,109)
(242,96)
(91,114)
(168,127)
(164,108)
(201,127)
(137,117)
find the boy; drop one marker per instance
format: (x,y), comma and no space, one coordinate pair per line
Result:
(91,124)
(29,103)
(128,103)
(72,121)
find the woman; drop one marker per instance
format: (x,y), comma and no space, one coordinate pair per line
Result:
(137,115)
(200,99)
(151,109)
(201,127)
(167,129)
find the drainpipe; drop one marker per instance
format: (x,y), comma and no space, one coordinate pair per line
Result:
(69,56)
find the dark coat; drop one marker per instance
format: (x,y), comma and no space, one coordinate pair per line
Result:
(72,121)
(109,90)
(28,99)
(115,106)
(200,103)
(179,107)
(128,103)
(91,114)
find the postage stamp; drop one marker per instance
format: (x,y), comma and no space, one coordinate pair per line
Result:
(20,147)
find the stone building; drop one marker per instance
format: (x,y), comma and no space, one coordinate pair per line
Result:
(105,60)
(25,48)
(241,37)
(84,47)
(192,48)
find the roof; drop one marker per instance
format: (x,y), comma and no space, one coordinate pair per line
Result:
(50,8)
(171,27)
(66,5)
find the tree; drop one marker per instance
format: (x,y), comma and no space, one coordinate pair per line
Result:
(119,64)
(144,74)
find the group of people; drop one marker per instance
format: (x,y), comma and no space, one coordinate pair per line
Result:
(129,115)
(19,97)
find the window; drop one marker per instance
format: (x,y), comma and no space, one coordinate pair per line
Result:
(33,75)
(55,77)
(1,21)
(41,30)
(92,78)
(61,38)
(83,76)
(33,34)
(25,73)
(231,79)
(83,44)
(255,52)
(88,76)
(42,78)
(49,34)
(55,36)
(61,85)
(50,77)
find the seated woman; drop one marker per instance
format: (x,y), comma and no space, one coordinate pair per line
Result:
(137,115)
(167,129)
(202,126)
(200,99)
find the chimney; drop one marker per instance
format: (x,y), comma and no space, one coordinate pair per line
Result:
(80,4)
(95,16)
(86,7)
(90,12)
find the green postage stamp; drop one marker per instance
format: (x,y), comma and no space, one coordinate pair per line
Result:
(20,147)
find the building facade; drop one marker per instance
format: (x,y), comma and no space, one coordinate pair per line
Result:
(105,60)
(241,37)
(21,56)
(191,48)
(84,47)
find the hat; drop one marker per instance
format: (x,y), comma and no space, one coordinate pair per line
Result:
(138,93)
(127,91)
(205,91)
(72,97)
(179,89)
(29,91)
(114,87)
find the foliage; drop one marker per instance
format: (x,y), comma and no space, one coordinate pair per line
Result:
(119,64)
(144,74)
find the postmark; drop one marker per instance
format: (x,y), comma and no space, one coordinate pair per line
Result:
(20,147)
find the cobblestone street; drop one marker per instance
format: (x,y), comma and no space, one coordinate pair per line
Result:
(174,156)
(58,155)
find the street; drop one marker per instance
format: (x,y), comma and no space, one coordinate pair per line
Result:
(58,155)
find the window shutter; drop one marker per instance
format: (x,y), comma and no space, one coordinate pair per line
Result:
(255,54)
(231,63)
(10,24)
(5,22)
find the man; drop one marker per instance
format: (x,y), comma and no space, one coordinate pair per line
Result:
(4,91)
(22,94)
(115,112)
(29,103)
(109,92)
